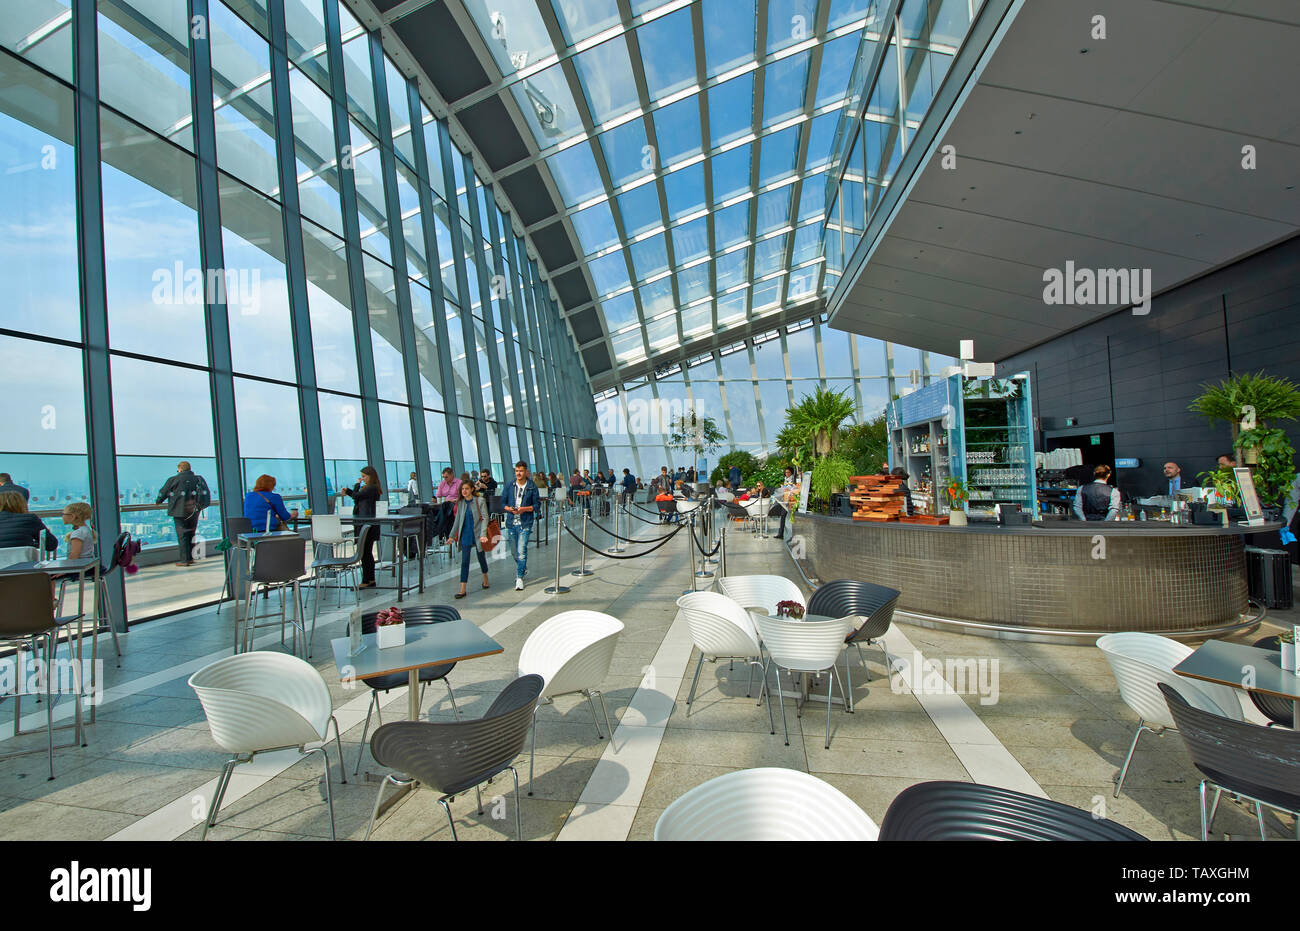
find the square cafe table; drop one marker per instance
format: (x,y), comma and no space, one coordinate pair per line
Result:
(426,645)
(1228,664)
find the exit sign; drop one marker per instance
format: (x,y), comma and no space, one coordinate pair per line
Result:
(1095,440)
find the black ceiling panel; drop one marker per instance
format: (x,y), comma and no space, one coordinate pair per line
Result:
(585,326)
(572,289)
(597,359)
(442,51)
(489,125)
(383,6)
(528,193)
(553,246)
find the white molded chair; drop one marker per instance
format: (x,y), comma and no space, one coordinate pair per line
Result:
(721,629)
(802,647)
(760,592)
(765,804)
(686,507)
(381,508)
(261,701)
(561,497)
(572,652)
(328,530)
(1140,661)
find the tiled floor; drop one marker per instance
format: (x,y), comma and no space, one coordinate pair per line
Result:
(1057,728)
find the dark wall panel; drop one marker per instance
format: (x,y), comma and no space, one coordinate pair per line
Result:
(1140,373)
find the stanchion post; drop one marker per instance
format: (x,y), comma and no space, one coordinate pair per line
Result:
(582,564)
(690,548)
(616,508)
(722,565)
(557,588)
(703,572)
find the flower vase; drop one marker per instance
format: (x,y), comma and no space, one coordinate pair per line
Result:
(1288,656)
(956,518)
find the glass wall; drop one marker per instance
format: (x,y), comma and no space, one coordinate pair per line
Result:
(781,364)
(278,281)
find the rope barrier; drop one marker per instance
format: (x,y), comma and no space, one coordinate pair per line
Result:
(611,555)
(616,536)
(642,519)
(699,547)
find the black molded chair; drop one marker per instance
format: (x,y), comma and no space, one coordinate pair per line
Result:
(1259,764)
(454,757)
(874,603)
(420,614)
(1277,710)
(948,811)
(278,564)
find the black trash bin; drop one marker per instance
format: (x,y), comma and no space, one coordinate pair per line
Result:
(1269,575)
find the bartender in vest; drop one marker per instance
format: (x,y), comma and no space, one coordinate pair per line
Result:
(1097,500)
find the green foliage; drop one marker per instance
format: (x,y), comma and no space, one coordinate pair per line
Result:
(1272,397)
(795,447)
(1222,481)
(771,474)
(866,445)
(1275,471)
(737,457)
(695,434)
(815,421)
(830,474)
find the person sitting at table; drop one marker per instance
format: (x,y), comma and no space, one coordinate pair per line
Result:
(486,484)
(447,491)
(469,530)
(262,502)
(81,538)
(900,472)
(667,511)
(19,527)
(364,495)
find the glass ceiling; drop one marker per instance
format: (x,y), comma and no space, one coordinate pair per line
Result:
(689,142)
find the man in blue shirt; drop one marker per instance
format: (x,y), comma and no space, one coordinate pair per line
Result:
(520,502)
(1173,478)
(734,476)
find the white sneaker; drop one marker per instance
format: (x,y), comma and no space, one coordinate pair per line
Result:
(519,585)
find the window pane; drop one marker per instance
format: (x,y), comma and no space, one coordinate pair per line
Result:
(38,241)
(151,245)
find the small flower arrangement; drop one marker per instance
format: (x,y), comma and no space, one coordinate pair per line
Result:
(790,609)
(956,491)
(390,628)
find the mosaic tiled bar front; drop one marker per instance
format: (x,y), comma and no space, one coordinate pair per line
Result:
(1074,578)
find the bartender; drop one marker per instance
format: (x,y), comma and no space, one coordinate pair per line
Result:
(1173,479)
(1097,500)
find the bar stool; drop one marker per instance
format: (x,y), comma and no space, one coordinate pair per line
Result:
(278,564)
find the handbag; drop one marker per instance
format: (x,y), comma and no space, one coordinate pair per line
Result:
(279,524)
(493,535)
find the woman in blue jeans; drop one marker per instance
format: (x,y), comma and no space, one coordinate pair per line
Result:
(469,530)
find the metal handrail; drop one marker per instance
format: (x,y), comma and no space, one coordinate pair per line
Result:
(134,508)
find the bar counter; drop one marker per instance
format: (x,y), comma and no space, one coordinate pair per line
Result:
(1056,581)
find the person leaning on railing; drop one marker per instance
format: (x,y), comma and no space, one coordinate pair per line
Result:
(20,527)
